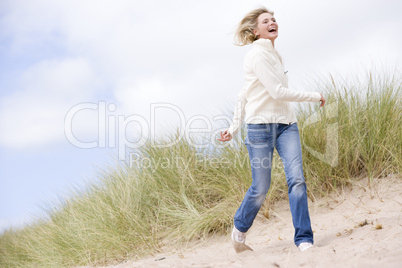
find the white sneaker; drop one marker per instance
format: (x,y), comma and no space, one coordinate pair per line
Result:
(239,241)
(305,245)
(238,236)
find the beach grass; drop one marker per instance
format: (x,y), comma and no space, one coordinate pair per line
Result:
(173,195)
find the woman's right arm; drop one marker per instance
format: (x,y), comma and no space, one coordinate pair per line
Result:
(238,117)
(239,112)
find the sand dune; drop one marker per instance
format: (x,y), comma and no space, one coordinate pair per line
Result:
(358,227)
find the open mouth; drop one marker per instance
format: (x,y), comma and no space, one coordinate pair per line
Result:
(273,30)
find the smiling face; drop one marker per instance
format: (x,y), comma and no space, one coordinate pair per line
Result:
(267,27)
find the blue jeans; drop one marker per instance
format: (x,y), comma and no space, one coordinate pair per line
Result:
(261,140)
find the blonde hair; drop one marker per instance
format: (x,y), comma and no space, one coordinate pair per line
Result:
(244,34)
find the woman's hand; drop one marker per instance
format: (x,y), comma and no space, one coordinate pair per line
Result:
(225,136)
(322,100)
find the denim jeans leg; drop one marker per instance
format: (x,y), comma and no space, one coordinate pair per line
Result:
(260,145)
(289,149)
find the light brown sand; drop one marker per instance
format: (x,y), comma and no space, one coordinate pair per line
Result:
(339,239)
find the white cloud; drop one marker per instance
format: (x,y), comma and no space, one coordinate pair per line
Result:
(34,115)
(69,79)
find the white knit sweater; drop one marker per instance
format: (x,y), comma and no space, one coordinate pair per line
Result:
(266,96)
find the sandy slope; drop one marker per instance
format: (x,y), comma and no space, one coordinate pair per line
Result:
(339,240)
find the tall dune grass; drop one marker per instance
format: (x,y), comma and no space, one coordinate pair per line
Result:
(365,117)
(185,194)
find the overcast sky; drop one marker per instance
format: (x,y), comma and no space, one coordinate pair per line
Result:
(91,61)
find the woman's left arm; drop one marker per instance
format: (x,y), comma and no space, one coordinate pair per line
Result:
(266,74)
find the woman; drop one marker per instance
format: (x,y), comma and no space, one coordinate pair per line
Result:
(264,103)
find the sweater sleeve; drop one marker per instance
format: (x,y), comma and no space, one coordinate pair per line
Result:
(239,112)
(265,73)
